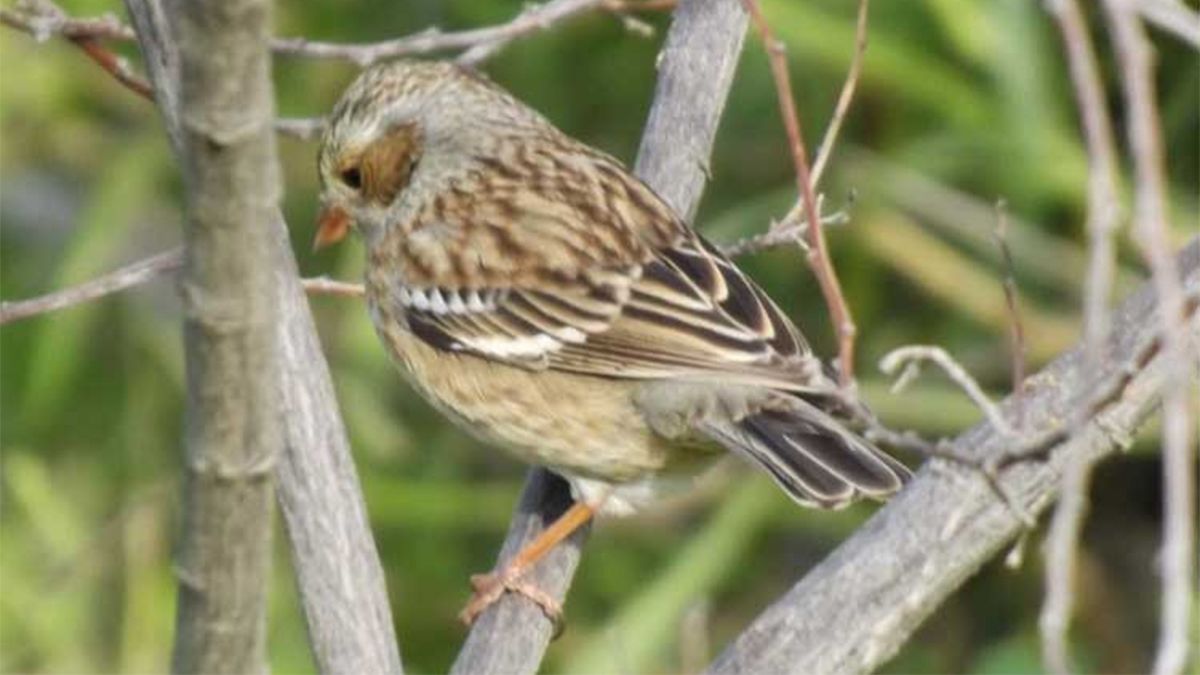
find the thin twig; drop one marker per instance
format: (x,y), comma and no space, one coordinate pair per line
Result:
(1011,302)
(818,253)
(536,18)
(906,361)
(131,275)
(1152,233)
(327,286)
(136,274)
(301,128)
(825,150)
(1062,540)
(779,234)
(43,19)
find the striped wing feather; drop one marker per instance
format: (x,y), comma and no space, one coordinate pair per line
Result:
(600,278)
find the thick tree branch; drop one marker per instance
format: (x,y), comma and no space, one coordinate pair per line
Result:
(232,431)
(695,73)
(339,575)
(856,608)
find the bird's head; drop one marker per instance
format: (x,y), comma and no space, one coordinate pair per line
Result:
(401,121)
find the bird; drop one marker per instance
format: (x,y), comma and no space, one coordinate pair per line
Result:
(550,303)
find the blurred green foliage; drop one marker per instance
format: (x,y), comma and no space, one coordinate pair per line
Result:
(961,103)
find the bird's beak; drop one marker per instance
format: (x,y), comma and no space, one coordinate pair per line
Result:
(332,225)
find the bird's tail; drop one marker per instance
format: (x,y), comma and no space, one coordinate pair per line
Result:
(816,460)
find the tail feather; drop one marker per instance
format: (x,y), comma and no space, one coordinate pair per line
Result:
(811,456)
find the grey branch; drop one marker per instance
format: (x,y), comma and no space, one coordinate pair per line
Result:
(1173,17)
(695,72)
(433,40)
(1103,211)
(858,606)
(339,575)
(1152,232)
(126,277)
(232,438)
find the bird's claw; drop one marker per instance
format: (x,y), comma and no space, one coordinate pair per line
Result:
(490,587)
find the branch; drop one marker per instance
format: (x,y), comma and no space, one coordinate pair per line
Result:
(535,18)
(1174,17)
(778,234)
(695,72)
(1101,225)
(858,606)
(1152,233)
(43,19)
(907,360)
(338,573)
(818,253)
(233,434)
(131,275)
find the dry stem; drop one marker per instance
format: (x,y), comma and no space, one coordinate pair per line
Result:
(1152,233)
(1062,541)
(818,253)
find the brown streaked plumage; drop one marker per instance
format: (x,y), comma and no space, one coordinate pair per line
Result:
(548,301)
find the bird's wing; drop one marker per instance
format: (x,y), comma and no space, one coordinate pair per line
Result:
(579,267)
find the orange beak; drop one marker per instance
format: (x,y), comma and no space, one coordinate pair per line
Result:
(332,225)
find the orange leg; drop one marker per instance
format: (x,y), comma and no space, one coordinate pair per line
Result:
(489,587)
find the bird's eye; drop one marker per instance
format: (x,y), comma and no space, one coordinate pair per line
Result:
(352,177)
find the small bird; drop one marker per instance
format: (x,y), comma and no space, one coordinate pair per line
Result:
(549,302)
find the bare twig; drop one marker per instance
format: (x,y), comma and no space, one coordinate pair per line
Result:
(136,274)
(327,286)
(907,361)
(1011,302)
(536,18)
(1062,541)
(818,253)
(825,150)
(1152,233)
(43,19)
(1172,16)
(779,234)
(302,128)
(113,282)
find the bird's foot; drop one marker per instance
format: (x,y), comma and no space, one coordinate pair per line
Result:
(491,586)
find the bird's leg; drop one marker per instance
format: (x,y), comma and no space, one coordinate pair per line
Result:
(489,587)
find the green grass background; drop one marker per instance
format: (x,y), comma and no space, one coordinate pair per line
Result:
(961,103)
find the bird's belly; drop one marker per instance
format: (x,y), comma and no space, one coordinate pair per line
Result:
(580,425)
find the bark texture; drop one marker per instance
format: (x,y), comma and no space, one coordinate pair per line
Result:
(338,571)
(232,435)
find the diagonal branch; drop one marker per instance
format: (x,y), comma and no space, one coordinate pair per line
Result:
(131,275)
(695,73)
(858,606)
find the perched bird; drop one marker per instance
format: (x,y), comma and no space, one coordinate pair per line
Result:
(549,302)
